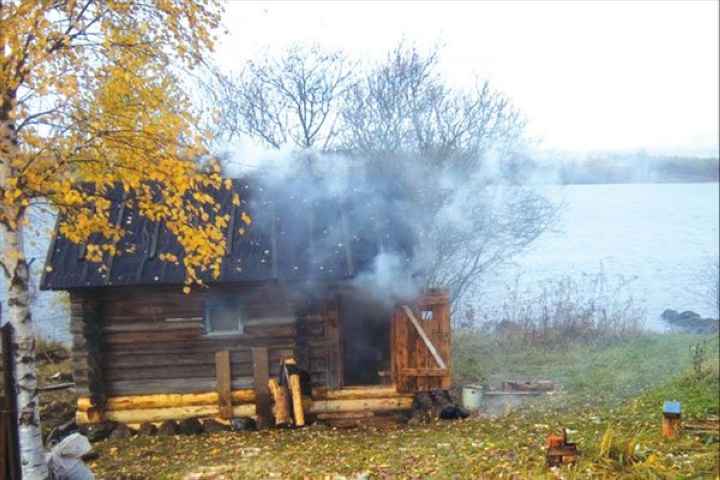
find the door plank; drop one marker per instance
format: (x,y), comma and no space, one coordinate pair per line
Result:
(438,359)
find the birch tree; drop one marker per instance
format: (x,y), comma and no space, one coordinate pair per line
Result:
(90,100)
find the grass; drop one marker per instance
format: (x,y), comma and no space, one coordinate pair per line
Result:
(607,371)
(612,403)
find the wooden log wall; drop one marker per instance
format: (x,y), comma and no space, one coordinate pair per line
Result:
(319,344)
(141,354)
(86,324)
(153,339)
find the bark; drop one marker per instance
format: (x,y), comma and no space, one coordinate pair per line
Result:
(15,268)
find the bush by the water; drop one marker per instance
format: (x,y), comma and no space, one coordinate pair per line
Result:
(560,311)
(689,322)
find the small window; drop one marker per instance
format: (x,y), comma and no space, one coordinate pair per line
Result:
(224,315)
(427,315)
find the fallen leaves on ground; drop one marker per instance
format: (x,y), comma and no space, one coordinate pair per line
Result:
(512,446)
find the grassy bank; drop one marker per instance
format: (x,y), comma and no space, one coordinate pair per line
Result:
(614,393)
(607,371)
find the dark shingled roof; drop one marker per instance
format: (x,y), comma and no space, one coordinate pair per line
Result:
(292,238)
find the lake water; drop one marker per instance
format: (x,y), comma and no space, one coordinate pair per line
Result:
(665,235)
(662,234)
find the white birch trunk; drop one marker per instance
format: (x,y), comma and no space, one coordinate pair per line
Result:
(32,453)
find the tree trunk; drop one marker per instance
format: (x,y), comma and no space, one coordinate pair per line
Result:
(32,453)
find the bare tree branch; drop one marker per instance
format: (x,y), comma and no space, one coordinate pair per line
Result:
(292,99)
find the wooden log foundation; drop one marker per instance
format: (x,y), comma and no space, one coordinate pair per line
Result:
(353,402)
(157,408)
(161,414)
(135,402)
(359,393)
(367,405)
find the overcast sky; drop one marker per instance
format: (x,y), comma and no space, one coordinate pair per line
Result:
(606,75)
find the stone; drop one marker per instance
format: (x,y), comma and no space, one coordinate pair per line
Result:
(100,431)
(190,426)
(453,412)
(243,424)
(148,428)
(415,420)
(213,426)
(121,431)
(60,432)
(168,428)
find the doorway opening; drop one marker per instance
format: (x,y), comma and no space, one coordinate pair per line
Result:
(365,340)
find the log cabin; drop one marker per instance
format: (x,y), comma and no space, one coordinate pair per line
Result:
(286,334)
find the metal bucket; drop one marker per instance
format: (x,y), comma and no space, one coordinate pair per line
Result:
(472,397)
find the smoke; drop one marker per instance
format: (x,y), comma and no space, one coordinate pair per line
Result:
(388,279)
(412,222)
(339,199)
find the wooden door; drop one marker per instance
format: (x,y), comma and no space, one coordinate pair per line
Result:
(420,344)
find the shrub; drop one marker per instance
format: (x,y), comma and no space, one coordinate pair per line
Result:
(588,308)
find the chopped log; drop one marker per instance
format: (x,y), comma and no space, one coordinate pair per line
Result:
(296,395)
(161,414)
(281,409)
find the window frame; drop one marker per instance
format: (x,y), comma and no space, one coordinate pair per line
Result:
(218,300)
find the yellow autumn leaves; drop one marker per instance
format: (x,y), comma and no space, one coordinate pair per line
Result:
(107,115)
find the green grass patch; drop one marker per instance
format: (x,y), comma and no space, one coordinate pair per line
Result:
(604,371)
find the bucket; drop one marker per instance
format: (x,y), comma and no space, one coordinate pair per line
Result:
(472,397)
